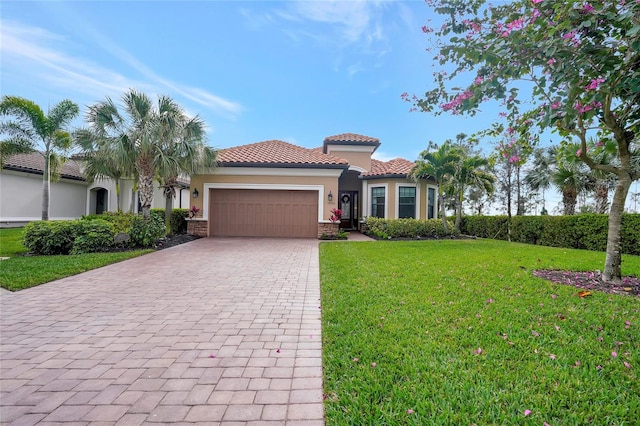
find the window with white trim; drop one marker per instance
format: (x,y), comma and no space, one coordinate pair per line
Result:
(407,202)
(378,201)
(431,203)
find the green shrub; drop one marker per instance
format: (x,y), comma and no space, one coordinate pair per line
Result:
(93,236)
(145,232)
(631,234)
(408,228)
(494,227)
(49,237)
(526,229)
(583,231)
(121,221)
(559,231)
(179,221)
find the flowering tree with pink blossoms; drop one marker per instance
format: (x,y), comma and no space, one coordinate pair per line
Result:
(577,63)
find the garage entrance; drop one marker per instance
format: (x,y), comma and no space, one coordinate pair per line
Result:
(263,213)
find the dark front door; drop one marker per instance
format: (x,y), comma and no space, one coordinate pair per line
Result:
(101,200)
(349,206)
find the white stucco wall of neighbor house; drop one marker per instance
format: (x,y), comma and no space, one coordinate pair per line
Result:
(21,198)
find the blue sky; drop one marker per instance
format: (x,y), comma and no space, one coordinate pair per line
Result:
(297,70)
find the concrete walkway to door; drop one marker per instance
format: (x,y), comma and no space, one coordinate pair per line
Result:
(216,331)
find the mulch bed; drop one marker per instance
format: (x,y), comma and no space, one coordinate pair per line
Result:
(174,240)
(588,281)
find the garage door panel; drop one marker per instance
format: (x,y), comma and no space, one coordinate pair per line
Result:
(263,213)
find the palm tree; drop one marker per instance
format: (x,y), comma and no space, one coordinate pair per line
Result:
(539,177)
(183,144)
(31,130)
(100,162)
(471,173)
(603,182)
(439,165)
(567,180)
(152,141)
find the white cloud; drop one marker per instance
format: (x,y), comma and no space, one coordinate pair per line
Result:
(352,19)
(351,28)
(30,50)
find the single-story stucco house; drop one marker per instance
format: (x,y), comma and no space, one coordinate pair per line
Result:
(70,197)
(277,189)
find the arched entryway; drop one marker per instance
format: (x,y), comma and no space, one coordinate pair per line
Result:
(98,201)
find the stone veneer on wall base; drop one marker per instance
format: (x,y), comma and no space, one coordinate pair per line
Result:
(330,229)
(200,228)
(197,227)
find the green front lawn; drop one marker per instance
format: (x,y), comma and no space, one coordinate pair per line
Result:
(11,242)
(460,332)
(20,272)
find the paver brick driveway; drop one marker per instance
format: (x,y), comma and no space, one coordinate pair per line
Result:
(217,330)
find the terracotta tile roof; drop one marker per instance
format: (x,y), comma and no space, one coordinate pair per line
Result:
(398,167)
(350,139)
(277,153)
(34,163)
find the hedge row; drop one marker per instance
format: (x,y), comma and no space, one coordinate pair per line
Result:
(178,220)
(96,233)
(408,228)
(584,231)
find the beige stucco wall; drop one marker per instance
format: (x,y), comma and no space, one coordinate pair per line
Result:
(21,198)
(391,200)
(355,158)
(267,178)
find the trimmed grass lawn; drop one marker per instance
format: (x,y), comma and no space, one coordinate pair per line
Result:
(20,272)
(460,332)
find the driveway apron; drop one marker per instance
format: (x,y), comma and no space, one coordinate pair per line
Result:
(216,331)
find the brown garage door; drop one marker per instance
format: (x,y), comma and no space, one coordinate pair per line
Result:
(263,213)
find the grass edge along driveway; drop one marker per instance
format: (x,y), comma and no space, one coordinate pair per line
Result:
(460,332)
(20,271)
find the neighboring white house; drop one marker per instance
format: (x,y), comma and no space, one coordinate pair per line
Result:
(71,196)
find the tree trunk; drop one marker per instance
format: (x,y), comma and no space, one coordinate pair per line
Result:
(145,189)
(169,191)
(46,186)
(612,270)
(459,211)
(168,206)
(133,200)
(569,200)
(602,197)
(118,196)
(443,212)
(519,199)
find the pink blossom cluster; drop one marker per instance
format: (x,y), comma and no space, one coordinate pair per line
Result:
(474,28)
(504,31)
(582,108)
(534,15)
(556,105)
(587,8)
(595,83)
(571,38)
(457,101)
(508,151)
